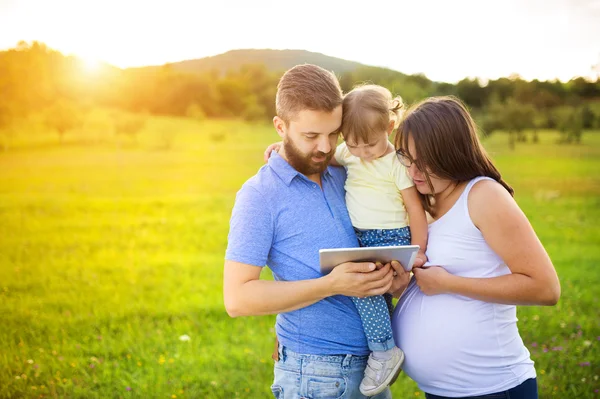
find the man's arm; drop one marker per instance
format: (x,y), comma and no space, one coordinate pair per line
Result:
(249,242)
(246,295)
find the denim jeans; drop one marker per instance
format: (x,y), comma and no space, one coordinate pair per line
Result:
(526,390)
(320,376)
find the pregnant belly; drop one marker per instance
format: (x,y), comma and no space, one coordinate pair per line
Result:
(449,340)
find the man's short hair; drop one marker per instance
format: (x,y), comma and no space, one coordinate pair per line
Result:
(307,87)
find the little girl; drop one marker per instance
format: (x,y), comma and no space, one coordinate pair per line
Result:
(384,208)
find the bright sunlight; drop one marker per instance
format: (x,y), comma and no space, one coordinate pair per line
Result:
(90,65)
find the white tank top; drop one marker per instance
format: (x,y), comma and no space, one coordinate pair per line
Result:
(457,346)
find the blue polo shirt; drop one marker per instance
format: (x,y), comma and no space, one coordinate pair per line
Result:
(281,219)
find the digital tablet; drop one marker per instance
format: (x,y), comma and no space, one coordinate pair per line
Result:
(405,254)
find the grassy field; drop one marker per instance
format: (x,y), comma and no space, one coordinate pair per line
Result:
(111,260)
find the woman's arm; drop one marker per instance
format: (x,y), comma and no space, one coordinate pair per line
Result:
(418,222)
(508,232)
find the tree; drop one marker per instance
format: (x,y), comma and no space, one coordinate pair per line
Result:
(232,93)
(539,120)
(6,122)
(569,123)
(445,89)
(253,110)
(492,116)
(511,116)
(471,92)
(517,118)
(502,89)
(587,117)
(62,117)
(129,125)
(194,111)
(98,124)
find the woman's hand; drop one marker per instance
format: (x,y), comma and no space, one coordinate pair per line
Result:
(273,147)
(400,280)
(432,280)
(360,279)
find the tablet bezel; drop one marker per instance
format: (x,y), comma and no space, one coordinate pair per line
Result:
(331,257)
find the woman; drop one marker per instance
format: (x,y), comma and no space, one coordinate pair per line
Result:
(456,321)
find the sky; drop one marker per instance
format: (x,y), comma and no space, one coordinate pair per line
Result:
(445,40)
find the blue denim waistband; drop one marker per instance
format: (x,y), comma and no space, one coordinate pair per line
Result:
(345,360)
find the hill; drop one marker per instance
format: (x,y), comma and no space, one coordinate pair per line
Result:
(274,60)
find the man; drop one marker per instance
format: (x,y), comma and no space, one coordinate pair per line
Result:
(290,209)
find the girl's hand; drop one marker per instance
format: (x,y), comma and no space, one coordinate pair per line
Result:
(273,147)
(400,281)
(432,280)
(420,259)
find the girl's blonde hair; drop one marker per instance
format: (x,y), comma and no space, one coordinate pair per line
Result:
(369,109)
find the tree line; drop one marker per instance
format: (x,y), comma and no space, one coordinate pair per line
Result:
(37,79)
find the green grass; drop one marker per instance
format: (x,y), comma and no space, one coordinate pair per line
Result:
(109,253)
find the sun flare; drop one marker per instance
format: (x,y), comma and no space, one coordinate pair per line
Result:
(90,64)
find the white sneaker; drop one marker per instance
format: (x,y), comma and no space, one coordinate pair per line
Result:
(381,373)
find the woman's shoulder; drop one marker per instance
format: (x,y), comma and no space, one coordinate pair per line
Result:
(485,188)
(487,196)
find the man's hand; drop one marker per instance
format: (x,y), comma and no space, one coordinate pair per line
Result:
(360,279)
(273,147)
(432,280)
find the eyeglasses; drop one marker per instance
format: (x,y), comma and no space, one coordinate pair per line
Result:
(405,159)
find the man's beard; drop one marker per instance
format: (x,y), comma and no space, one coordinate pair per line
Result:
(304,163)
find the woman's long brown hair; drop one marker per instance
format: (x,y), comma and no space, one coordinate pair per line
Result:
(446,143)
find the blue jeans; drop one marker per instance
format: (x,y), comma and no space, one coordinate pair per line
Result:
(320,376)
(375,311)
(527,390)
